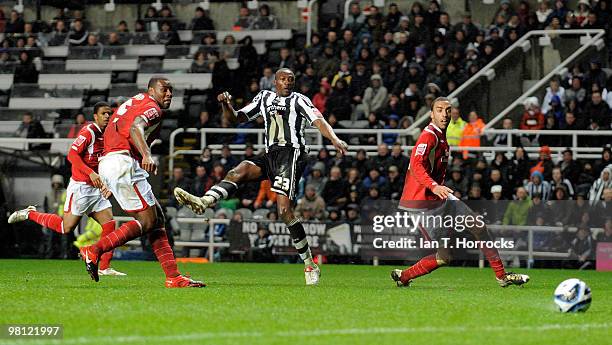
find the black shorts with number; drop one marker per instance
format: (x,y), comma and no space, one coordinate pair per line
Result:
(284,166)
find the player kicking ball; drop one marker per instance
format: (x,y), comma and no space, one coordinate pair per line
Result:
(86,193)
(286,114)
(124,168)
(425,194)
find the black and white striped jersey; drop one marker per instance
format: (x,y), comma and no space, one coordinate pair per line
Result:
(285,117)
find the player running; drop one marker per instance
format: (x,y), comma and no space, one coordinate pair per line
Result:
(86,193)
(285,114)
(424,193)
(124,168)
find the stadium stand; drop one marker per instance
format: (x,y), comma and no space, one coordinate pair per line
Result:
(417,52)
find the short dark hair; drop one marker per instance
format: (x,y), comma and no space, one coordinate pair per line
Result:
(439,99)
(99,105)
(154,79)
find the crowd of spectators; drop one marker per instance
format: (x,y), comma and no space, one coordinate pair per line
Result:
(382,68)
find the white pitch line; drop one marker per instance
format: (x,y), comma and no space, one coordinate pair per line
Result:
(319,332)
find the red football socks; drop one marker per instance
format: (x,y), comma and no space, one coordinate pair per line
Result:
(163,252)
(48,220)
(105,259)
(126,232)
(421,268)
(497,265)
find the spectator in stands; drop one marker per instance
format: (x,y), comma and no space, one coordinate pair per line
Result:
(266,81)
(166,35)
(150,20)
(201,183)
(228,49)
(457,182)
(284,59)
(581,248)
(555,89)
(25,72)
(538,213)
(339,102)
(398,158)
(597,113)
(602,183)
(178,180)
(206,159)
(570,168)
(344,73)
(141,36)
(393,123)
(336,190)
(114,40)
(320,98)
(15,24)
(356,20)
(606,159)
(374,179)
(576,91)
(29,127)
(199,64)
(79,122)
(93,48)
(558,180)
(265,20)
(244,20)
(265,197)
(59,35)
(311,201)
(201,21)
(606,234)
(537,184)
(454,131)
(262,249)
(78,35)
(374,97)
(517,211)
(495,209)
(124,33)
(227,159)
(392,190)
(317,177)
(472,132)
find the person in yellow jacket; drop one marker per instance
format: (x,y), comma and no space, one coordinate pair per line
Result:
(472,132)
(454,130)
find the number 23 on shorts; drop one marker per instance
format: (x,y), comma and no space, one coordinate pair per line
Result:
(281,183)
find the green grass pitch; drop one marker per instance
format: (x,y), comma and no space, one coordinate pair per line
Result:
(269,304)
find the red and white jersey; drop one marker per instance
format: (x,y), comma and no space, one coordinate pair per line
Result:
(428,162)
(117,135)
(89,146)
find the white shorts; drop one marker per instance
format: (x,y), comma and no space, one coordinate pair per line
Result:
(128,181)
(83,199)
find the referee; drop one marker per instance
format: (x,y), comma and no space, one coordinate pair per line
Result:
(285,114)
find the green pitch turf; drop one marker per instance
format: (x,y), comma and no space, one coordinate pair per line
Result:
(269,304)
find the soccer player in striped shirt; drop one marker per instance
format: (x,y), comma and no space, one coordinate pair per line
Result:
(286,113)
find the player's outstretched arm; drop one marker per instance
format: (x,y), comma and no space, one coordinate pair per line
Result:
(137,134)
(328,132)
(228,110)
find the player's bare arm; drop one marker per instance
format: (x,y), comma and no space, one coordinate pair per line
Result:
(137,134)
(225,98)
(328,132)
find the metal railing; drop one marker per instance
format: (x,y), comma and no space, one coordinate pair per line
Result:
(581,152)
(489,70)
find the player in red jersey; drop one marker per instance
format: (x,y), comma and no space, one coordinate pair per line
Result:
(124,168)
(424,193)
(86,193)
